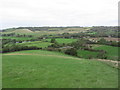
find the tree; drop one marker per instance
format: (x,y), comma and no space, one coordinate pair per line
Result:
(53,40)
(102,55)
(79,43)
(102,41)
(71,51)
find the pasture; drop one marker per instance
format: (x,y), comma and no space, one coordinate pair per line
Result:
(62,40)
(36,43)
(18,38)
(45,69)
(87,54)
(112,52)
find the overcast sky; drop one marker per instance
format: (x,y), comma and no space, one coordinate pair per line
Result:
(16,13)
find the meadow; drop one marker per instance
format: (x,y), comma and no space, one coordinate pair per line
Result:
(63,40)
(18,38)
(112,52)
(87,54)
(45,69)
(36,43)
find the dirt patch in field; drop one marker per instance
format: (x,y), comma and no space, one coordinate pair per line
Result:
(106,38)
(110,62)
(94,45)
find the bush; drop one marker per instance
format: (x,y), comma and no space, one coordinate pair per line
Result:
(102,55)
(18,48)
(90,56)
(53,40)
(71,51)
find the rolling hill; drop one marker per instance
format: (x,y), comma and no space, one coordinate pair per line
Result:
(38,31)
(45,69)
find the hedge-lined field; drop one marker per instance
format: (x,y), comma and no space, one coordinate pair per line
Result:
(62,40)
(112,52)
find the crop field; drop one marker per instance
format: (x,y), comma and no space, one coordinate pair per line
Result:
(62,40)
(45,69)
(112,52)
(18,31)
(36,43)
(18,38)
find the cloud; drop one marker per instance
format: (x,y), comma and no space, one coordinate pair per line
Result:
(17,13)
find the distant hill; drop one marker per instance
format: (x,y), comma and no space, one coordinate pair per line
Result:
(95,31)
(47,28)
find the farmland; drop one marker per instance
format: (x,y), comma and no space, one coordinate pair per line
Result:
(17,38)
(112,52)
(36,43)
(61,40)
(60,57)
(45,69)
(87,54)
(44,31)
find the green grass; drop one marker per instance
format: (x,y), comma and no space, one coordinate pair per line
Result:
(36,43)
(112,52)
(87,54)
(17,38)
(62,40)
(92,33)
(55,70)
(40,52)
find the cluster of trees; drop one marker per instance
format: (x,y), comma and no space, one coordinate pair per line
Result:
(13,48)
(42,28)
(55,44)
(105,31)
(9,45)
(10,34)
(7,41)
(71,51)
(71,48)
(16,35)
(111,43)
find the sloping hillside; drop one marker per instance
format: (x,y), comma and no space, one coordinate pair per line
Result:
(38,31)
(45,69)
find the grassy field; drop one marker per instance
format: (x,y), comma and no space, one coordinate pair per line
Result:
(18,38)
(36,43)
(112,52)
(18,31)
(87,54)
(45,69)
(62,40)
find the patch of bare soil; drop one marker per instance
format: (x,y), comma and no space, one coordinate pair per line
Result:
(110,62)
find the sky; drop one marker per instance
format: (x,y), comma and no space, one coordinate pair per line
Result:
(35,13)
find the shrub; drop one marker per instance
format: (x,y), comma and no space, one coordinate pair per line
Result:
(53,40)
(71,51)
(102,55)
